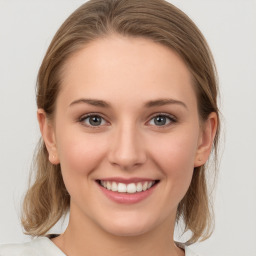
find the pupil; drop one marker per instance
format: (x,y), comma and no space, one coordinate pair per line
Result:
(95,120)
(160,120)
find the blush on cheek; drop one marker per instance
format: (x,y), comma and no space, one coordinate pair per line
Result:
(177,154)
(175,158)
(77,162)
(81,154)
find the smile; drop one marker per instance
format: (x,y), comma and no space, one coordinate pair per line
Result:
(127,188)
(127,191)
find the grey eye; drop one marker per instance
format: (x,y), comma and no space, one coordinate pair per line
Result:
(160,120)
(94,120)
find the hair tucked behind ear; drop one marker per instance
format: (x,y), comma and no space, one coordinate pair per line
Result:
(47,199)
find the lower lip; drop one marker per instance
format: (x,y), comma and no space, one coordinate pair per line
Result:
(127,198)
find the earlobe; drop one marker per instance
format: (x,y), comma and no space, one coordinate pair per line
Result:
(206,140)
(48,135)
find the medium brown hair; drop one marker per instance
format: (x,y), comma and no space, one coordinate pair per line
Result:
(47,199)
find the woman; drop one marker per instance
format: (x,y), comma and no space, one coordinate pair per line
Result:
(127,109)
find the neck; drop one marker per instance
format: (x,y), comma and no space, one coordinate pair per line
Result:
(87,238)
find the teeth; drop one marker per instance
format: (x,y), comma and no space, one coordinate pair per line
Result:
(145,186)
(150,184)
(127,188)
(108,185)
(114,186)
(131,188)
(139,187)
(121,188)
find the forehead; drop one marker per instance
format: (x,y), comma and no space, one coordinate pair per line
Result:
(126,69)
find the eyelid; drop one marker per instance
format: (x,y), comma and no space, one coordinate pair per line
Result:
(83,117)
(172,118)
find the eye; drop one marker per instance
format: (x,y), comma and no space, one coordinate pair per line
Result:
(162,120)
(92,120)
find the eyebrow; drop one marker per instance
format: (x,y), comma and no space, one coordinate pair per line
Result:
(149,104)
(163,102)
(93,102)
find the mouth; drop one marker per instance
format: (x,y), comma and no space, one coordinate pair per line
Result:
(127,188)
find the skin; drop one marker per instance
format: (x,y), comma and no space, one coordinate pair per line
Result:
(126,73)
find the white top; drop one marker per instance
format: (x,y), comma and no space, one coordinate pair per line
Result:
(43,246)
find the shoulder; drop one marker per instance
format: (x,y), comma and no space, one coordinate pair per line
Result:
(17,250)
(188,251)
(37,247)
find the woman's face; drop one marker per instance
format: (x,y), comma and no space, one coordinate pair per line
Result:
(126,119)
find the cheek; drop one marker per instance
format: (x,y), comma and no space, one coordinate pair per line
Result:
(175,158)
(80,153)
(176,153)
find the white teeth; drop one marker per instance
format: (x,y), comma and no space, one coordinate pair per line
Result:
(145,186)
(127,188)
(114,186)
(150,184)
(121,188)
(108,185)
(139,187)
(131,188)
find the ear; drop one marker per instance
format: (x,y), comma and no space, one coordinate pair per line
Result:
(206,139)
(48,134)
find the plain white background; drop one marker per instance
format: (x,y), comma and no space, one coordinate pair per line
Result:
(26,29)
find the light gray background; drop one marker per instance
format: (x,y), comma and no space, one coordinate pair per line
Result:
(26,29)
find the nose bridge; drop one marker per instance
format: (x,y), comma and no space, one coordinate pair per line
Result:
(127,148)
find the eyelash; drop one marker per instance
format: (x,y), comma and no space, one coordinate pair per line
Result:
(84,117)
(171,118)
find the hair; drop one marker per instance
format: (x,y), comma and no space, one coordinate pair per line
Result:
(47,199)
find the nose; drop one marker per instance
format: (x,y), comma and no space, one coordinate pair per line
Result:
(127,148)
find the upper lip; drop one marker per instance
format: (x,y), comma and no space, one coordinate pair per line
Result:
(126,180)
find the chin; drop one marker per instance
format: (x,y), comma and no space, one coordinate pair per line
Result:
(129,226)
(127,230)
